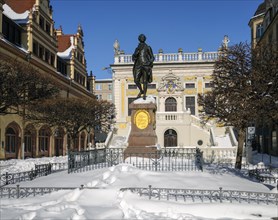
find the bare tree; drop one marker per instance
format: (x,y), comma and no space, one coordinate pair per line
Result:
(74,114)
(230,100)
(21,85)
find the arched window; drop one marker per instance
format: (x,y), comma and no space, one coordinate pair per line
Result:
(170,138)
(29,141)
(11,140)
(170,104)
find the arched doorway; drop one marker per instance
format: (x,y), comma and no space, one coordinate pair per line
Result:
(170,138)
(170,105)
(12,140)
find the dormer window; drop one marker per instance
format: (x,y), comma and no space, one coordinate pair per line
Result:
(260,30)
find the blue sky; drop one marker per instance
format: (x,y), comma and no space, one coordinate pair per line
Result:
(168,24)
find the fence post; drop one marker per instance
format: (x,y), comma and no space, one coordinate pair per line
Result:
(17,191)
(7,174)
(220,194)
(150,192)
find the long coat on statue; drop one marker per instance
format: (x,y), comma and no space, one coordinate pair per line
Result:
(143,59)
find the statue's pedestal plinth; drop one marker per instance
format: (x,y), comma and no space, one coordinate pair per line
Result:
(142,138)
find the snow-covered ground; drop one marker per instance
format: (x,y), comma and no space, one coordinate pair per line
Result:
(106,201)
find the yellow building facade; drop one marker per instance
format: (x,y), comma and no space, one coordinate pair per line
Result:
(27,34)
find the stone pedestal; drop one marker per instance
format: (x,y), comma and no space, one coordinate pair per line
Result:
(142,138)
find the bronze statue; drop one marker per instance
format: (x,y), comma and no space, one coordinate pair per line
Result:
(143,59)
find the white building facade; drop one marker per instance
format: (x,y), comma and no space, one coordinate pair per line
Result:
(178,78)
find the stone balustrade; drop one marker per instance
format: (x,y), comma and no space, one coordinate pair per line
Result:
(172,57)
(170,116)
(219,154)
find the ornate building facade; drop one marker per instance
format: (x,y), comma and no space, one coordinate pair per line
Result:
(178,78)
(264,29)
(27,34)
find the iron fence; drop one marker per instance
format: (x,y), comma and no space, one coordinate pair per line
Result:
(161,160)
(23,192)
(203,195)
(40,170)
(267,175)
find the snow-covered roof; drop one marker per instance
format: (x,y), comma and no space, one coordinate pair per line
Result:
(67,53)
(9,12)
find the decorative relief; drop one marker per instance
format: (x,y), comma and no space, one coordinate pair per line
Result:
(132,93)
(142,119)
(189,78)
(190,91)
(170,84)
(208,77)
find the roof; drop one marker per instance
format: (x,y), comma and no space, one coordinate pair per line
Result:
(20,6)
(64,42)
(261,9)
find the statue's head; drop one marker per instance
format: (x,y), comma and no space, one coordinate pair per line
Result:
(142,38)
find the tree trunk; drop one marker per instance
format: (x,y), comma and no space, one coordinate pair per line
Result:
(241,138)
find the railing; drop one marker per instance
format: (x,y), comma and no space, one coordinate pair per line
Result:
(40,170)
(198,122)
(231,133)
(203,195)
(179,159)
(170,116)
(219,154)
(23,192)
(266,175)
(172,57)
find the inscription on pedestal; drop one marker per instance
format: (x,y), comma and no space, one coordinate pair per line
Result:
(142,137)
(142,119)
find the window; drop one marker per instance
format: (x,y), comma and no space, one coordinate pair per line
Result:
(259,31)
(98,87)
(109,96)
(189,85)
(151,86)
(99,97)
(5,28)
(43,140)
(11,31)
(132,86)
(35,48)
(208,85)
(41,52)
(61,66)
(190,104)
(109,86)
(11,140)
(47,27)
(47,56)
(170,105)
(41,22)
(52,59)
